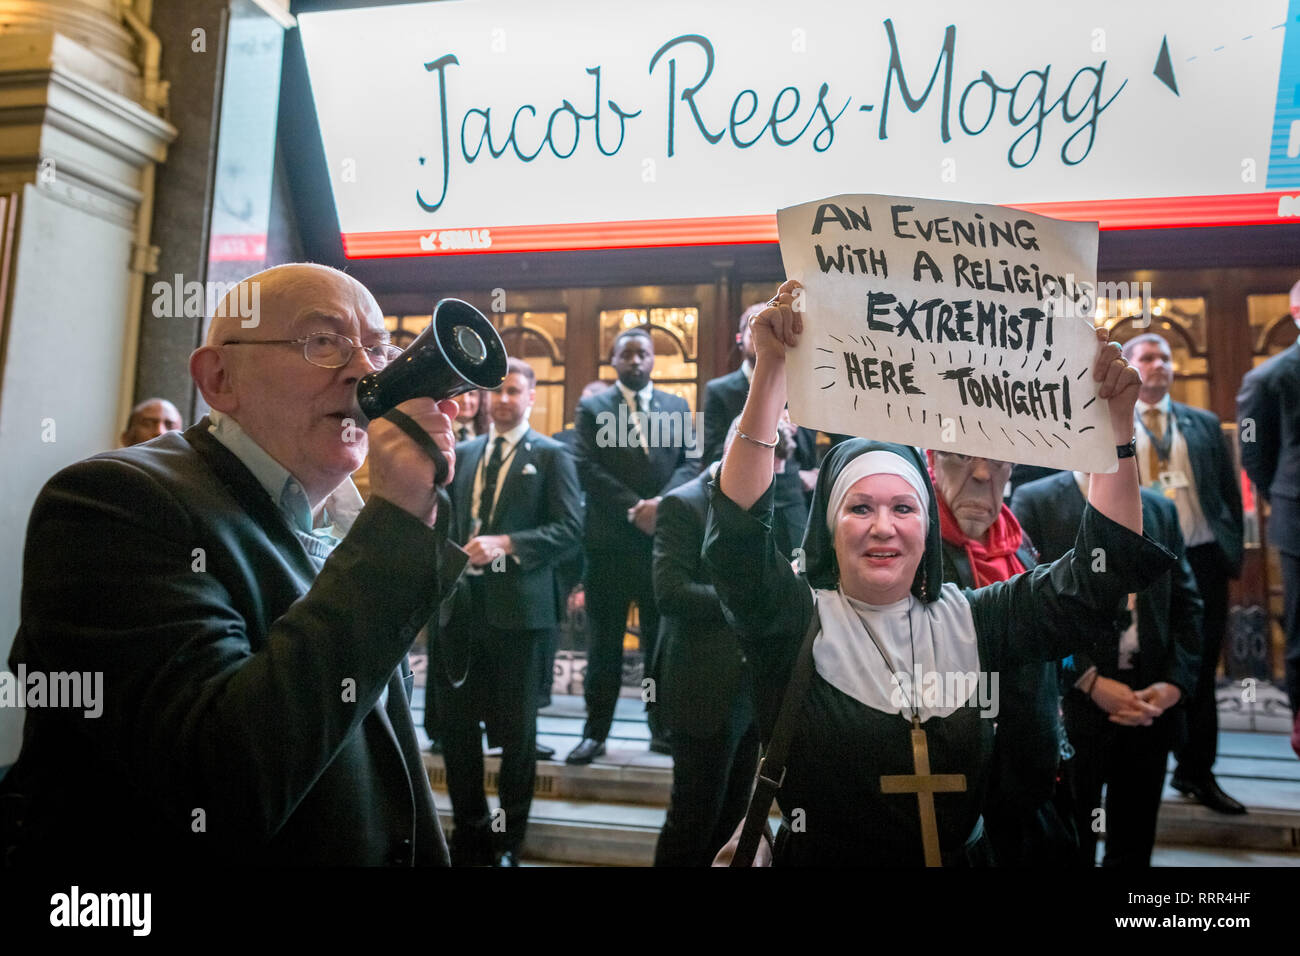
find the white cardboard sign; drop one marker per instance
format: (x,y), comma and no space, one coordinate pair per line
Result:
(948,325)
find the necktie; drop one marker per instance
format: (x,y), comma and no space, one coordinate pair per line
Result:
(638,425)
(1151,419)
(490,482)
(463,433)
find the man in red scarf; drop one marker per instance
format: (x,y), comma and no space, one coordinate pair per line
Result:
(983,543)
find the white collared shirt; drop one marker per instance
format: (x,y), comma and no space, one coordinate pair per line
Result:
(1191,519)
(319,534)
(339,509)
(631,397)
(512,440)
(633,408)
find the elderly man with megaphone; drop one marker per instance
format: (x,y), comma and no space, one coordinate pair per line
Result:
(250,617)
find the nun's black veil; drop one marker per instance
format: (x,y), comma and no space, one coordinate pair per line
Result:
(823,570)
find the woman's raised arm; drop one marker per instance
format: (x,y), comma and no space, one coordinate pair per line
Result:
(747,465)
(1116,495)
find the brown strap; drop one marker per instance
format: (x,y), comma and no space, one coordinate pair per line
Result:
(771,769)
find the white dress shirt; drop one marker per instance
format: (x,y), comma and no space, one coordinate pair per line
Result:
(508,449)
(643,405)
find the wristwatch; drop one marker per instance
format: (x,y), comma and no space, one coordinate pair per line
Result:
(1127,451)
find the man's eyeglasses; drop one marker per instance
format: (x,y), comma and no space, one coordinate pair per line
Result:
(330,349)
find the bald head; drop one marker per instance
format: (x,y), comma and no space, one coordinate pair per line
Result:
(269,301)
(149,419)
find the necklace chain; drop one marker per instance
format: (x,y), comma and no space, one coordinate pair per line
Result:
(911,640)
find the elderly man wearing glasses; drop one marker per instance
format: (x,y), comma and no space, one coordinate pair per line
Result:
(250,619)
(983,543)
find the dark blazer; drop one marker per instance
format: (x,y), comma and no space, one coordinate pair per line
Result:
(701,666)
(238,681)
(1026,750)
(1217,487)
(1169,611)
(1270,399)
(570,569)
(615,476)
(538,507)
(724,399)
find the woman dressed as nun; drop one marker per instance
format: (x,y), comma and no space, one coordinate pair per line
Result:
(857,789)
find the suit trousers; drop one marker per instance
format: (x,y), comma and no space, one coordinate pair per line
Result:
(1197,755)
(501,690)
(1291,626)
(614,580)
(1131,762)
(712,778)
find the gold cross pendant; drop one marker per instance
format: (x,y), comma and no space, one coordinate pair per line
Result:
(925,785)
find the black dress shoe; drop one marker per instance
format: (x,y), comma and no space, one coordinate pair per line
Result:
(1208,793)
(659,745)
(586,752)
(545,753)
(507,858)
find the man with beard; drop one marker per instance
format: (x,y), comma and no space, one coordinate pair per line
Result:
(628,457)
(515,498)
(1182,455)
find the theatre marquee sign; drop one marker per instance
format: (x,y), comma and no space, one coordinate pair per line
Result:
(465,126)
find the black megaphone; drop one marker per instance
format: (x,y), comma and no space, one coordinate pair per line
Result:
(458,352)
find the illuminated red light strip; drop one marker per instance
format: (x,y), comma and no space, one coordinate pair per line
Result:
(1243,209)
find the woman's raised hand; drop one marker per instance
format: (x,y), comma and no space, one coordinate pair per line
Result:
(1119,385)
(779,326)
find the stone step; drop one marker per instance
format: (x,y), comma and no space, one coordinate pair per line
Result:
(563,832)
(643,779)
(582,832)
(623,834)
(610,812)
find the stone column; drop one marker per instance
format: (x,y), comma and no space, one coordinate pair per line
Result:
(80,137)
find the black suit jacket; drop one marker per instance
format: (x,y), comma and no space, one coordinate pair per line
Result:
(538,507)
(724,399)
(1269,404)
(701,667)
(1169,611)
(615,475)
(570,569)
(1217,487)
(1026,750)
(242,688)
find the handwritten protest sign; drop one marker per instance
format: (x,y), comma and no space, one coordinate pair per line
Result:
(947,325)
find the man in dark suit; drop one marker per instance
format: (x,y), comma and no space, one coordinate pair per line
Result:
(1182,454)
(724,399)
(632,449)
(983,543)
(250,618)
(570,575)
(1268,413)
(706,699)
(1120,712)
(515,501)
